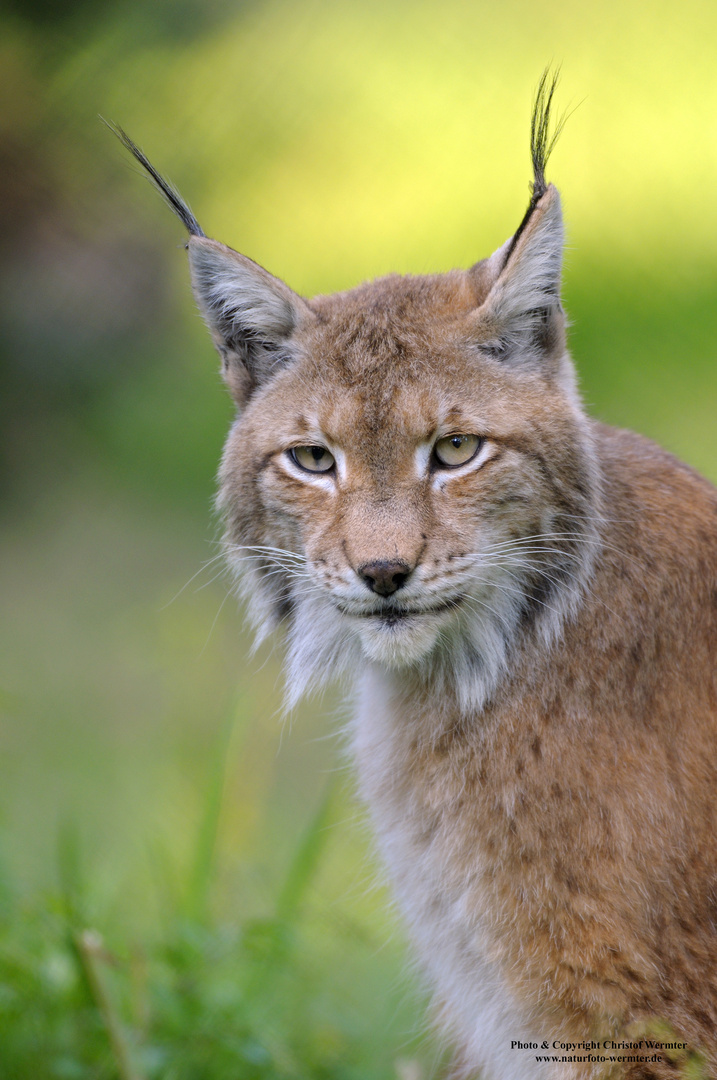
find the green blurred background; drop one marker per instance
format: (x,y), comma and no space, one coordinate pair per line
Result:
(149,788)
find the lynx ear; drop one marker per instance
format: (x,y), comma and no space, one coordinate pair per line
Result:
(521,318)
(251,315)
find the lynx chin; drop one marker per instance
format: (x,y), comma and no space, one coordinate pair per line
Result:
(526,603)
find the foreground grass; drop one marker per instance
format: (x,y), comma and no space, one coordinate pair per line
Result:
(200,998)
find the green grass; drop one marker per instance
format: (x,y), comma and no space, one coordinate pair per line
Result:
(197,996)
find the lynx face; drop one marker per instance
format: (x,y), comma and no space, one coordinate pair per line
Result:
(408,481)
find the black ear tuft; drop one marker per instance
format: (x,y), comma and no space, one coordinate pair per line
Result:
(169,193)
(542,144)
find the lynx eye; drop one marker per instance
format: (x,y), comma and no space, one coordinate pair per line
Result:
(315,459)
(454,450)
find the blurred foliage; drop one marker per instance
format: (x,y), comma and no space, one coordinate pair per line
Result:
(331,141)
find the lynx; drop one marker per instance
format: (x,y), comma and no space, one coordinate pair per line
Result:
(525,601)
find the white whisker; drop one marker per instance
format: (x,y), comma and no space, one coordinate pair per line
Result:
(202,568)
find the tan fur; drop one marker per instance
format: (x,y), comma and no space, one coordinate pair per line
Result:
(536,705)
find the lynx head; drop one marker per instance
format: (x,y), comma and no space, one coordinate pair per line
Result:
(409,480)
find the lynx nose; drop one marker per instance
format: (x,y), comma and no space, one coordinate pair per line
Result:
(384,578)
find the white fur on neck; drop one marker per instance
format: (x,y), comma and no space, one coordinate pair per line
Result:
(453,942)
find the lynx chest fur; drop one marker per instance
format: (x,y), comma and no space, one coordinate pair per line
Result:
(526,604)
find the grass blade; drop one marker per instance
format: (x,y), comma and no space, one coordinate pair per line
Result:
(91,951)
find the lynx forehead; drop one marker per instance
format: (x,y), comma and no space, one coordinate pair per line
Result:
(524,602)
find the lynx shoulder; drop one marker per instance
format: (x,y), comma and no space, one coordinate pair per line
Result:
(526,603)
